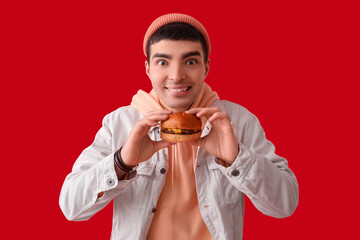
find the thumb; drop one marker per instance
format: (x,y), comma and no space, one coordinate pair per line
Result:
(161,144)
(200,142)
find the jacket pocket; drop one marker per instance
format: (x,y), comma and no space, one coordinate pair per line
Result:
(146,168)
(134,194)
(227,193)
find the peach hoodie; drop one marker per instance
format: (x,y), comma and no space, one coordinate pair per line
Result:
(178,213)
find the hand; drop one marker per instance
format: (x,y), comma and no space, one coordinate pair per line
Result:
(138,146)
(221,141)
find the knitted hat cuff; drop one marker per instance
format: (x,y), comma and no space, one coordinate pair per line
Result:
(175,17)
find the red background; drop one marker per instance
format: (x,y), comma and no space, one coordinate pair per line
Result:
(66,64)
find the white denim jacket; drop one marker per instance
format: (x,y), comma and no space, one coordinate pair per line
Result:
(257,172)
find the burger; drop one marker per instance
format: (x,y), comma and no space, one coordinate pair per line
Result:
(181,127)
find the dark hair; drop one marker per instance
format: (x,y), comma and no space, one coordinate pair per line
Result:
(177,31)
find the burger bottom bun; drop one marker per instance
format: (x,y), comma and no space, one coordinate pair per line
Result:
(175,138)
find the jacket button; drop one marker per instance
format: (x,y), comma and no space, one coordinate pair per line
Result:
(110,182)
(163,171)
(235,173)
(154,210)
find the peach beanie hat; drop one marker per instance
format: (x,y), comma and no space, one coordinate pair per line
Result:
(175,17)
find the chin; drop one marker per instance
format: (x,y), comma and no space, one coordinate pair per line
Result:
(177,105)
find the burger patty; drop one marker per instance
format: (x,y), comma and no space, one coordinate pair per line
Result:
(180,131)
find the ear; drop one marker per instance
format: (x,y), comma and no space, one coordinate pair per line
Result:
(207,67)
(147,68)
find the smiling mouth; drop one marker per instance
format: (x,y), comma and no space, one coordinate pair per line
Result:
(178,90)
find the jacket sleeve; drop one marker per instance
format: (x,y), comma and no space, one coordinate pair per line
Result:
(262,175)
(92,173)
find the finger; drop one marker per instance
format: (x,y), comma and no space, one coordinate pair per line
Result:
(142,127)
(200,142)
(159,112)
(221,121)
(157,118)
(161,144)
(218,116)
(145,122)
(193,110)
(207,112)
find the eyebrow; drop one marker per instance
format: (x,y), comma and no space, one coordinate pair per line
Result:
(185,55)
(161,55)
(190,54)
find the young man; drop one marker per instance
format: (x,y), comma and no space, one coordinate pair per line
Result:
(184,190)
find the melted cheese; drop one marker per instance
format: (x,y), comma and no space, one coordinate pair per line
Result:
(176,130)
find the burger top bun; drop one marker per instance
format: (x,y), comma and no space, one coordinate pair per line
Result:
(181,127)
(182,120)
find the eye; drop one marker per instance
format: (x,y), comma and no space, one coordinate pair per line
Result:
(161,63)
(191,62)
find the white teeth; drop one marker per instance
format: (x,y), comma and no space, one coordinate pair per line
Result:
(178,89)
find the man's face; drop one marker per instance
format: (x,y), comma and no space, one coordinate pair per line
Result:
(177,72)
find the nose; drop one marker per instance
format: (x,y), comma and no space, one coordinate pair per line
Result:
(176,72)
